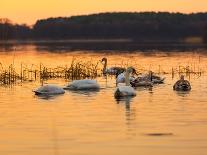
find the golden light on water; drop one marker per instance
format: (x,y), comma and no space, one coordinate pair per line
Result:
(157,121)
(95,122)
(25,11)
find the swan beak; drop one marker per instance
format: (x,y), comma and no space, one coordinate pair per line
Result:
(101,61)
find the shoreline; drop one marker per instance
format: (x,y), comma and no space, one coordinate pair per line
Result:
(106,44)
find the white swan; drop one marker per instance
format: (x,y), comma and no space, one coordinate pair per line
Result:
(112,70)
(121,78)
(86,84)
(49,90)
(127,90)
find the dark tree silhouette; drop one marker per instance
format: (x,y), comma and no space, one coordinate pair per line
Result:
(13,31)
(205,35)
(146,25)
(137,26)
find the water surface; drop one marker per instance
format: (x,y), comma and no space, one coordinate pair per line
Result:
(158,121)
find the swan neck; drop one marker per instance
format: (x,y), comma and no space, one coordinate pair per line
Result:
(105,65)
(127,78)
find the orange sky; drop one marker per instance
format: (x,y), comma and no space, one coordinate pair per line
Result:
(28,11)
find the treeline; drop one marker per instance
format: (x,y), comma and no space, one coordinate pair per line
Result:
(8,30)
(205,35)
(138,26)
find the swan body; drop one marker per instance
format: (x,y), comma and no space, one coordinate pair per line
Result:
(121,78)
(182,85)
(159,80)
(49,90)
(112,70)
(141,83)
(152,78)
(156,79)
(127,90)
(122,91)
(85,84)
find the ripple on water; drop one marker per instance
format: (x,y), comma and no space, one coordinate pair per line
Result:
(81,122)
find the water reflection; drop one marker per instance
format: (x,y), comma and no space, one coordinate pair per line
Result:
(55,136)
(150,89)
(130,115)
(103,46)
(183,93)
(70,127)
(158,134)
(91,92)
(48,97)
(124,100)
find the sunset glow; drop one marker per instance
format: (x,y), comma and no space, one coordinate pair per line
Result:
(24,11)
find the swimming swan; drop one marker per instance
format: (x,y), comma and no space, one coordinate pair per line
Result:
(154,78)
(127,90)
(140,82)
(121,78)
(86,84)
(49,90)
(182,85)
(112,70)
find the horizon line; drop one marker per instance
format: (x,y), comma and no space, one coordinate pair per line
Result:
(97,13)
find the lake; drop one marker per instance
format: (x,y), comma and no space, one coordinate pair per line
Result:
(157,121)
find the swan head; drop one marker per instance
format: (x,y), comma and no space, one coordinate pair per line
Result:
(104,63)
(130,70)
(182,77)
(104,59)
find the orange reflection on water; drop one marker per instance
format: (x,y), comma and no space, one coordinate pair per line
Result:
(95,122)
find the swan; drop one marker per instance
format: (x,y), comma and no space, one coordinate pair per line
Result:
(182,85)
(49,90)
(121,77)
(86,84)
(140,82)
(112,70)
(127,90)
(154,79)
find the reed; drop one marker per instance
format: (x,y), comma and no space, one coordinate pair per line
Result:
(79,69)
(187,70)
(76,70)
(8,75)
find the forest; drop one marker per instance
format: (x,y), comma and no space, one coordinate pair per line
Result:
(124,25)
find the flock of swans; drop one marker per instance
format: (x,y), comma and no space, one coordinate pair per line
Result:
(125,82)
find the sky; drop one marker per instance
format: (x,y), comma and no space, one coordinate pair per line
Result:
(29,11)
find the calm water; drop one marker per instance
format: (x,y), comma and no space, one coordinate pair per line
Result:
(95,123)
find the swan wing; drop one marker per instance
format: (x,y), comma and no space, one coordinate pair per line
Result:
(49,89)
(120,78)
(83,84)
(125,91)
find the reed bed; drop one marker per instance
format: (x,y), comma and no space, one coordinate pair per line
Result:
(194,69)
(187,70)
(76,70)
(9,75)
(80,70)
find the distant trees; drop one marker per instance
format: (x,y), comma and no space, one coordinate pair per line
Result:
(146,25)
(6,30)
(205,35)
(137,26)
(13,31)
